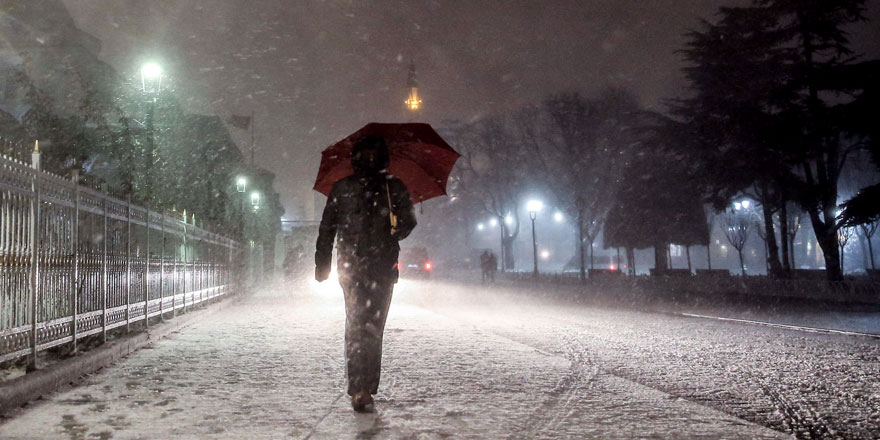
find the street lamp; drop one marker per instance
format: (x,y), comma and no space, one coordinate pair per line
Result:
(151,83)
(241,184)
(558,217)
(533,206)
(255,199)
(480,226)
(151,77)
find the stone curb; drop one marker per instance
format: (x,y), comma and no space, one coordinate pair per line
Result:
(31,386)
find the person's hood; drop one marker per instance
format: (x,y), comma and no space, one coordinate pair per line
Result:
(370,161)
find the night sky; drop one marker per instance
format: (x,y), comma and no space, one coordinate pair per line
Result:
(314,71)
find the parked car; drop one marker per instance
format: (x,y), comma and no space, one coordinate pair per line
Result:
(414,263)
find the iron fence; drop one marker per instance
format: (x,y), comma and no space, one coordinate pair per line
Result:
(76,262)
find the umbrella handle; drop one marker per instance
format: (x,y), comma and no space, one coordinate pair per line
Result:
(391,216)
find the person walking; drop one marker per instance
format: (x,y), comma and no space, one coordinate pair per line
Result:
(484,265)
(493,266)
(367,213)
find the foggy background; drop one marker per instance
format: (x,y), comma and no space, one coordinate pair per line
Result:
(313,72)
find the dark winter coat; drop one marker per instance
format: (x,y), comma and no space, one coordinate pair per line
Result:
(356,215)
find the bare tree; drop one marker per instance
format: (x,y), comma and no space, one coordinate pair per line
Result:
(794,220)
(576,146)
(868,231)
(844,234)
(737,226)
(490,174)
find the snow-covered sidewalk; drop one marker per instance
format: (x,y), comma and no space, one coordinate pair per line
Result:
(272,368)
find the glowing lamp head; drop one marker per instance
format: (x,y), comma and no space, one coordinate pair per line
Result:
(534,205)
(429,266)
(241,184)
(558,216)
(151,70)
(255,199)
(151,77)
(508,219)
(493,222)
(480,227)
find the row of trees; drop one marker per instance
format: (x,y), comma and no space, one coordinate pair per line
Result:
(778,108)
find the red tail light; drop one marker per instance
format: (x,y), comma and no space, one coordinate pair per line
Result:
(398,265)
(428,266)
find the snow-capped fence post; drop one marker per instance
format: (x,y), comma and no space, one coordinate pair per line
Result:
(33,244)
(104,276)
(74,243)
(147,274)
(128,264)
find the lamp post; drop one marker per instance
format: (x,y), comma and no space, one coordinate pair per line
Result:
(241,187)
(151,83)
(533,207)
(255,200)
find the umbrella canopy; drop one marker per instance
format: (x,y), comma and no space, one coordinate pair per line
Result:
(419,157)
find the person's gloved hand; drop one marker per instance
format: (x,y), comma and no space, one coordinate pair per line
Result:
(322,273)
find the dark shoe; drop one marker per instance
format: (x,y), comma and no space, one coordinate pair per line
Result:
(362,402)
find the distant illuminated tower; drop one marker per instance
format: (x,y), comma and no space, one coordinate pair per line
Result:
(413,102)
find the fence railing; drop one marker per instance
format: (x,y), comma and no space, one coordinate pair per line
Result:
(851,290)
(75,262)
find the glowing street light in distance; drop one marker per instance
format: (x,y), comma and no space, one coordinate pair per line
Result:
(534,205)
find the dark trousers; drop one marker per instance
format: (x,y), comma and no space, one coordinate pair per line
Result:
(366,309)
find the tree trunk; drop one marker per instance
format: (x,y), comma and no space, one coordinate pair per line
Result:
(828,242)
(509,264)
(660,261)
(772,248)
(867,238)
(783,236)
(709,254)
(688,251)
(592,260)
(501,244)
(871,253)
(581,249)
(631,260)
(742,267)
(767,258)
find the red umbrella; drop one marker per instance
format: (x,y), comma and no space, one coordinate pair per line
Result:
(419,157)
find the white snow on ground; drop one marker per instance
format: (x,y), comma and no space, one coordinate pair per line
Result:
(462,362)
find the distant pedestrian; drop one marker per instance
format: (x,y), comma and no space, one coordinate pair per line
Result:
(493,266)
(484,265)
(367,213)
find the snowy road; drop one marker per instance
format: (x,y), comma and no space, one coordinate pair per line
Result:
(466,362)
